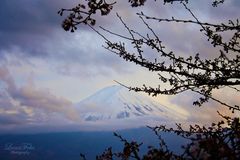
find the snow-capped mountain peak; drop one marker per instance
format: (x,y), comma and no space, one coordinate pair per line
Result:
(117,102)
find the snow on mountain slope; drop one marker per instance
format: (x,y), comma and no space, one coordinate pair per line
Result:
(117,103)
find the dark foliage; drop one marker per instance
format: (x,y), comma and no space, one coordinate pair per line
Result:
(192,73)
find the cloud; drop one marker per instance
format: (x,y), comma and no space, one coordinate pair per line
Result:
(28,24)
(28,104)
(5,77)
(33,30)
(207,113)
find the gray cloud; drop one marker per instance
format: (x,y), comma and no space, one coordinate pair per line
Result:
(33,29)
(29,104)
(29,24)
(23,23)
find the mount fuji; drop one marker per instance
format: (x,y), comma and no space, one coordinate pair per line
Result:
(113,108)
(116,104)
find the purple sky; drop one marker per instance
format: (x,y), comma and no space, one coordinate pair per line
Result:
(42,67)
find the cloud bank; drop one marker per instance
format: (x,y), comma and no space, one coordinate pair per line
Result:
(29,105)
(72,66)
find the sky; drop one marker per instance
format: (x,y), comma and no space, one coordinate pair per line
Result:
(43,67)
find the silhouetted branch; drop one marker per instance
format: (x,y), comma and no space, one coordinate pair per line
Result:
(218,141)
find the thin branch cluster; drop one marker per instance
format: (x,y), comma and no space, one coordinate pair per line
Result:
(217,2)
(177,74)
(192,73)
(82,13)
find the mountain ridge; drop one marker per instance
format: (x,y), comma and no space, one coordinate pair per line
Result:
(117,102)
